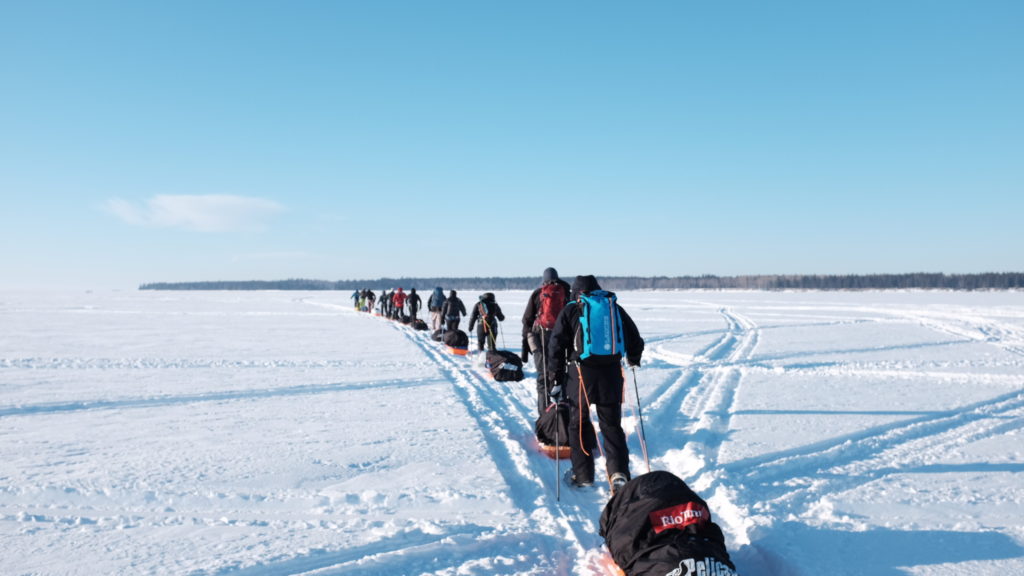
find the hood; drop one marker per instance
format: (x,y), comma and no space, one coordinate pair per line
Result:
(584,284)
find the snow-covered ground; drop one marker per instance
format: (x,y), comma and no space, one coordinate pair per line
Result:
(261,433)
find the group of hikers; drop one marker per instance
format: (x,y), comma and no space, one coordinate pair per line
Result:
(446,312)
(390,304)
(578,336)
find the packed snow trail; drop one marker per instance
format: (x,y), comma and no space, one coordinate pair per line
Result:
(505,412)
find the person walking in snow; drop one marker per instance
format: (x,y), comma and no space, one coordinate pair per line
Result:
(398,300)
(434,305)
(592,376)
(370,301)
(414,302)
(488,313)
(453,311)
(355,299)
(545,303)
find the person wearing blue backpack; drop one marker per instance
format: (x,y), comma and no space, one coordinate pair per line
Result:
(590,338)
(434,305)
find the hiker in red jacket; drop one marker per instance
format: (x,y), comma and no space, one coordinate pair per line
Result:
(399,301)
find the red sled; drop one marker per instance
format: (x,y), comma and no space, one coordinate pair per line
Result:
(458,351)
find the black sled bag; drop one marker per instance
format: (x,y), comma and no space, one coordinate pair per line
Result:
(436,336)
(419,324)
(456,339)
(552,428)
(505,366)
(656,524)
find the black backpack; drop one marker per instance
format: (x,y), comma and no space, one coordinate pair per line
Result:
(505,366)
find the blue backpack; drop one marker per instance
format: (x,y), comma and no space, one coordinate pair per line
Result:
(599,340)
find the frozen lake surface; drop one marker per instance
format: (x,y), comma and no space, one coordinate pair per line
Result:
(265,433)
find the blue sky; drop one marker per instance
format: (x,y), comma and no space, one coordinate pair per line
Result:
(178,141)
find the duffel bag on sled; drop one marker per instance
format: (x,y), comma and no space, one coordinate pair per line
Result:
(505,366)
(656,524)
(457,342)
(552,429)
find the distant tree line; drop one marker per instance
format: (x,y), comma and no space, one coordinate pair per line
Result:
(922,280)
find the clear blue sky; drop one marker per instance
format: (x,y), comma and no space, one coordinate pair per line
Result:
(178,141)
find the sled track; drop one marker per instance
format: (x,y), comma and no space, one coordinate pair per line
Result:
(228,395)
(505,417)
(856,459)
(709,402)
(1007,337)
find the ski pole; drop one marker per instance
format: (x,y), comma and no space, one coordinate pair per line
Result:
(640,416)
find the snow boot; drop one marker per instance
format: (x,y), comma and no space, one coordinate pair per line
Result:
(618,480)
(573,482)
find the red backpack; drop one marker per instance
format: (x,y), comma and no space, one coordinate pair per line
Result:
(552,300)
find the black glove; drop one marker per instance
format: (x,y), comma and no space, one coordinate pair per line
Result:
(633,362)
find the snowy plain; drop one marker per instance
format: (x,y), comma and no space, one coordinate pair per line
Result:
(267,433)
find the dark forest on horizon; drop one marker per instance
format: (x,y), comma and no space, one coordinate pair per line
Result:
(910,281)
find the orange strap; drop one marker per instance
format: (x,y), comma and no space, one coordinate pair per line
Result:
(583,395)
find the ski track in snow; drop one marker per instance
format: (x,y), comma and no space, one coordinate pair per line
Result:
(796,481)
(505,412)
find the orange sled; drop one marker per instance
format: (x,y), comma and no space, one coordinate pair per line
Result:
(553,452)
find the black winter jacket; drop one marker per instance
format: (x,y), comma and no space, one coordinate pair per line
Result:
(563,337)
(453,306)
(413,301)
(602,383)
(493,310)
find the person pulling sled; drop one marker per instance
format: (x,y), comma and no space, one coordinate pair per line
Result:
(488,314)
(589,339)
(453,310)
(542,309)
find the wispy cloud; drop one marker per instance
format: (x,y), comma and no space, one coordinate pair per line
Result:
(210,213)
(275,256)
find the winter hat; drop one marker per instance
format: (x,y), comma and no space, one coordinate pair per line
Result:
(550,275)
(451,294)
(584,284)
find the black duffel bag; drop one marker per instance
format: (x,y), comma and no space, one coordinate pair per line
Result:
(456,339)
(552,428)
(505,366)
(655,524)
